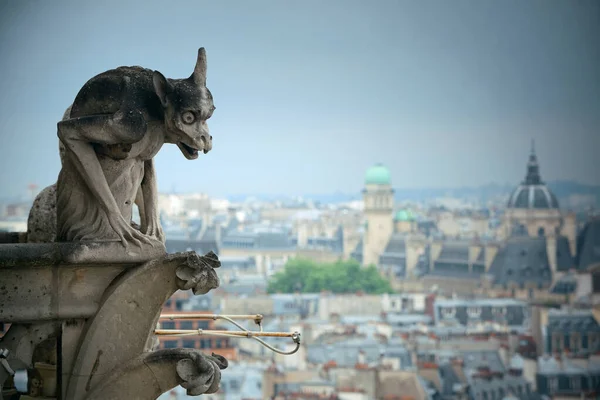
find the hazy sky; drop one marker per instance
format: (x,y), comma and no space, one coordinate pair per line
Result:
(310,93)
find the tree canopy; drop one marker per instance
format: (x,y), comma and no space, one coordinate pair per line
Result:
(309,276)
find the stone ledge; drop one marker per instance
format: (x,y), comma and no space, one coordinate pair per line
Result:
(45,254)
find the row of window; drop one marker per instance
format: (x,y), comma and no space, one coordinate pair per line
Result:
(178,303)
(575,341)
(573,384)
(472,311)
(501,393)
(196,344)
(236,244)
(403,304)
(184,324)
(380,201)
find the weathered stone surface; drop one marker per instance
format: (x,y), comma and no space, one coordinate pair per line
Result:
(157,372)
(123,326)
(118,122)
(41,225)
(44,254)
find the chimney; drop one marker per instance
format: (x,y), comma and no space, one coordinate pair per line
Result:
(218,229)
(569,229)
(551,251)
(362,359)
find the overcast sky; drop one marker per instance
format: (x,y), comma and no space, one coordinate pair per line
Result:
(310,93)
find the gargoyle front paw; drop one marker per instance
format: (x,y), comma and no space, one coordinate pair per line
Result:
(198,273)
(127,234)
(155,230)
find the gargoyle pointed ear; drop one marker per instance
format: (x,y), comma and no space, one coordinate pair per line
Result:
(199,75)
(162,87)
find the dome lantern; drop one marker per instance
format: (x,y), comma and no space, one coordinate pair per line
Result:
(532,193)
(378,175)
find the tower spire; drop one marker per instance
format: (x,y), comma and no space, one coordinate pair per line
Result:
(533,169)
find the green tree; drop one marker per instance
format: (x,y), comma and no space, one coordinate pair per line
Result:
(339,277)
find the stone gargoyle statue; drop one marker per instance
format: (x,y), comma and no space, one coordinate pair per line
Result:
(118,122)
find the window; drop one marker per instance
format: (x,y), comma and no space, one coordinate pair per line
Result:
(167,325)
(170,344)
(575,344)
(202,324)
(596,282)
(576,383)
(499,310)
(553,384)
(557,342)
(205,343)
(168,303)
(593,342)
(218,344)
(474,312)
(448,312)
(186,325)
(234,385)
(189,344)
(179,304)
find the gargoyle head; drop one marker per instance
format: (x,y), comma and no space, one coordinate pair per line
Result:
(198,273)
(201,374)
(187,105)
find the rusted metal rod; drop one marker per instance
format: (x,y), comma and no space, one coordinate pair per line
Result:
(254,317)
(174,332)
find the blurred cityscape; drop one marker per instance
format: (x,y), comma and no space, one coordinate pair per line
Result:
(492,295)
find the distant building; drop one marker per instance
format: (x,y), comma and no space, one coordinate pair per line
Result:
(536,254)
(573,331)
(509,313)
(562,378)
(533,210)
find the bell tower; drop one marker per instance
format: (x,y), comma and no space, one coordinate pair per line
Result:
(378,197)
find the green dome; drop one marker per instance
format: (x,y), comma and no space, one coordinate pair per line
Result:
(378,175)
(404,215)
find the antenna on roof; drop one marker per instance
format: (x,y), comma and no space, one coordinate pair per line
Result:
(532,146)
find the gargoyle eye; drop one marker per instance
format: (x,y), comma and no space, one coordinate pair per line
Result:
(188,117)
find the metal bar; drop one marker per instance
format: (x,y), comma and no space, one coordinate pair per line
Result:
(166,332)
(255,317)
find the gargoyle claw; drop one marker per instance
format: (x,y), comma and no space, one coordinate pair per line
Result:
(127,234)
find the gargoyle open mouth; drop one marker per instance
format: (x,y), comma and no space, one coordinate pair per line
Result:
(188,151)
(191,152)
